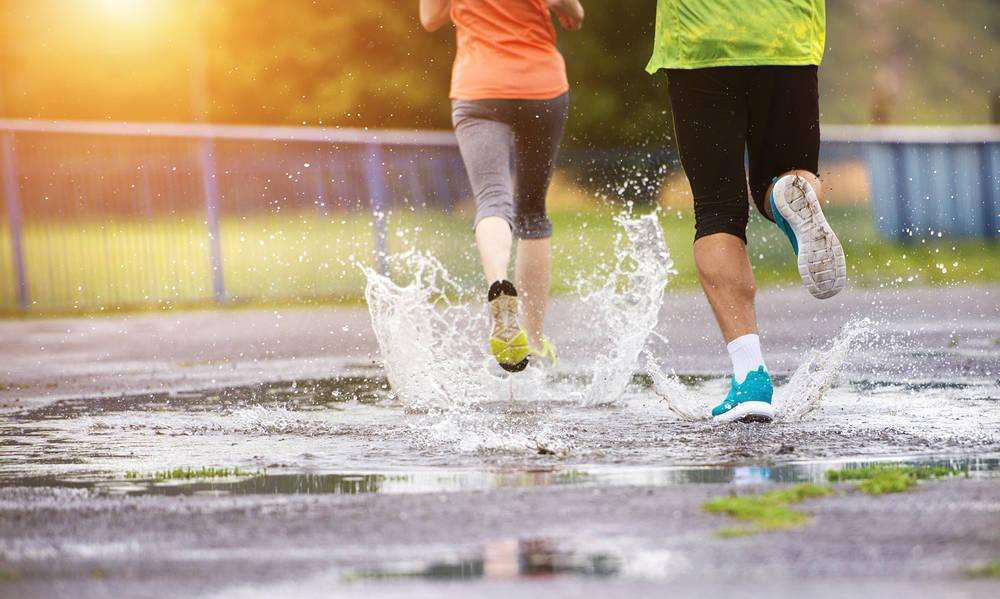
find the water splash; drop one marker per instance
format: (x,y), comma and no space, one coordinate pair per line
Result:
(810,382)
(627,304)
(680,399)
(801,396)
(430,330)
(430,333)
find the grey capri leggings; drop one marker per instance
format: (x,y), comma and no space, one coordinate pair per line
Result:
(488,132)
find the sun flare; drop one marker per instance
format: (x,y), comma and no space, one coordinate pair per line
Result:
(128,9)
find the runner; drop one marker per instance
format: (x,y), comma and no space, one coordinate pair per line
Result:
(742,79)
(509,95)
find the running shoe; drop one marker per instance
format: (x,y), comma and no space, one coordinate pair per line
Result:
(508,341)
(547,351)
(749,401)
(796,210)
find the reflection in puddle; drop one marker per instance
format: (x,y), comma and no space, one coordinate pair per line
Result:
(349,435)
(502,560)
(435,481)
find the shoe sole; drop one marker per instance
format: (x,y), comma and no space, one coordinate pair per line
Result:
(514,367)
(748,411)
(821,260)
(508,305)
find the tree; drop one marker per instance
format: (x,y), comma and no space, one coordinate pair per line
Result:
(352,64)
(369,64)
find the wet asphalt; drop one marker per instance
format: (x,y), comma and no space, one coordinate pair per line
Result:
(936,332)
(79,398)
(549,541)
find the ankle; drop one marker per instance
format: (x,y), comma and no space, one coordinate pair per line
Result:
(535,340)
(746,356)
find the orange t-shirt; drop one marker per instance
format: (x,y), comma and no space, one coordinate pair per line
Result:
(506,49)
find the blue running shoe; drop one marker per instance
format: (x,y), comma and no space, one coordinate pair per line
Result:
(797,212)
(749,401)
(781,222)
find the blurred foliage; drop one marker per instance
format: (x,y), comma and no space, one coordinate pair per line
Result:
(925,61)
(370,64)
(328,62)
(614,101)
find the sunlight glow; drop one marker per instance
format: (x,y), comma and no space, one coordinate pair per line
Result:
(128,9)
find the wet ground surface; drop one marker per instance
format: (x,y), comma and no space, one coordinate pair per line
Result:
(562,540)
(942,332)
(343,489)
(355,424)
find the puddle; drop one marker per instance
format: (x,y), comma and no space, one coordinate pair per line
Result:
(438,481)
(347,424)
(302,394)
(504,560)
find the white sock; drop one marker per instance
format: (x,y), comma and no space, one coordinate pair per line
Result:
(746,356)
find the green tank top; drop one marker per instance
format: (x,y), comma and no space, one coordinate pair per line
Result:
(693,34)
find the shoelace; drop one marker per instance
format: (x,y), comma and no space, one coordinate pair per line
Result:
(504,319)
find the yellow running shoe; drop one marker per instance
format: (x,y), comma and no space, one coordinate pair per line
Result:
(508,342)
(547,352)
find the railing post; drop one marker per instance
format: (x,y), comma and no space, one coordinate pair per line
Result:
(12,198)
(210,189)
(439,172)
(374,169)
(989,170)
(903,187)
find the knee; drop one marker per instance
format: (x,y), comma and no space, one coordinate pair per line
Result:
(716,274)
(716,257)
(495,200)
(494,193)
(532,226)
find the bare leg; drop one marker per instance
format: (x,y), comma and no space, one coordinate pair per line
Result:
(534,272)
(494,240)
(725,275)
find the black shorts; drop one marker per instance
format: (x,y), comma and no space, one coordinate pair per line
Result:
(768,113)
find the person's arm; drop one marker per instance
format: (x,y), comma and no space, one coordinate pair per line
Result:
(434,13)
(569,13)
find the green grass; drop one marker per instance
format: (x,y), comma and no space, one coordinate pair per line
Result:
(990,569)
(189,473)
(879,480)
(767,511)
(873,261)
(772,511)
(9,576)
(306,258)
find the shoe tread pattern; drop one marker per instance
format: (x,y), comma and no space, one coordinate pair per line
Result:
(821,261)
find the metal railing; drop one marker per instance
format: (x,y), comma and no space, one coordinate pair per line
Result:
(930,181)
(143,211)
(104,215)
